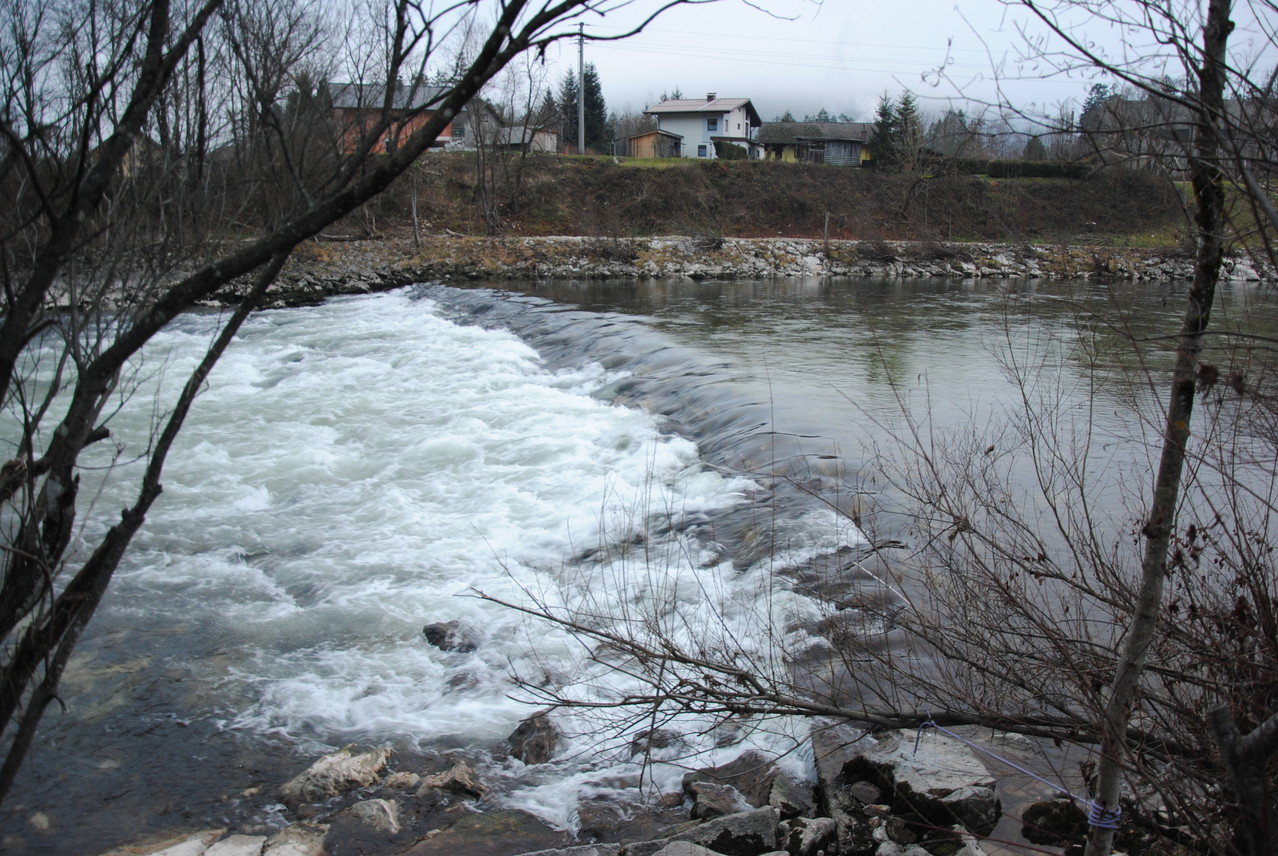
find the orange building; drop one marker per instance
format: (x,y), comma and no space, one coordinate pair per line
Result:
(359,108)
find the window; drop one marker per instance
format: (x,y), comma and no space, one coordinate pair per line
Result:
(459,131)
(701,150)
(712,124)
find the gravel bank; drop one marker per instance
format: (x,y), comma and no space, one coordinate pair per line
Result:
(322,268)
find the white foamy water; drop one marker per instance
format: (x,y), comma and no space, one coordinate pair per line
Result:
(356,471)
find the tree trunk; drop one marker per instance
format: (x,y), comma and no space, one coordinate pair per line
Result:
(1247,760)
(1209,218)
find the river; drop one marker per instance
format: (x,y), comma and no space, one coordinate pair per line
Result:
(357,470)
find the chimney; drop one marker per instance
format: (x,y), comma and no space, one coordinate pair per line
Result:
(710,96)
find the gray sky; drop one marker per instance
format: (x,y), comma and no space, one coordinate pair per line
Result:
(841,55)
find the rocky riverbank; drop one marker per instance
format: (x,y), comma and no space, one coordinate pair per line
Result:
(885,794)
(322,268)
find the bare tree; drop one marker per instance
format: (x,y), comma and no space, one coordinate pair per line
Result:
(125,131)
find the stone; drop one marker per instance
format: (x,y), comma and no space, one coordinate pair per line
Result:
(1054,822)
(489,833)
(750,773)
(381,815)
(599,816)
(238,845)
(186,844)
(451,636)
(580,850)
(300,839)
(943,782)
(857,836)
(745,834)
(891,848)
(975,807)
(461,780)
(403,781)
(901,831)
(790,798)
(647,742)
(647,848)
(535,740)
(335,773)
(711,799)
(684,848)
(809,836)
(968,845)
(865,792)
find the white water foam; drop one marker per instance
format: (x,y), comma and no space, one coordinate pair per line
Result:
(357,470)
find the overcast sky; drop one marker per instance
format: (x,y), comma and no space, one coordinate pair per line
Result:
(840,55)
(844,54)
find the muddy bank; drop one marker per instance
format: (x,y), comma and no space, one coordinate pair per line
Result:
(322,268)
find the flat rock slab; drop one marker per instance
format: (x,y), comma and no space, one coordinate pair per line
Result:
(238,845)
(185,844)
(302,839)
(941,779)
(748,833)
(494,833)
(940,763)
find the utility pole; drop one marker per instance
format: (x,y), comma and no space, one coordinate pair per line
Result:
(581,88)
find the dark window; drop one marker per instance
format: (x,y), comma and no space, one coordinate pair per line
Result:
(712,124)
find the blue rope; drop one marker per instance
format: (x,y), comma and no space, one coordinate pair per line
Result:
(1097,815)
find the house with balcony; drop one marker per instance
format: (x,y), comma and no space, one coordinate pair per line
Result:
(704,127)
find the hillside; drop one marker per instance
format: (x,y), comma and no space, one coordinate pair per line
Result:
(618,198)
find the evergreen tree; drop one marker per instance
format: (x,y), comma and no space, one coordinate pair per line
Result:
(907,133)
(1093,116)
(882,144)
(568,108)
(787,116)
(597,137)
(1034,150)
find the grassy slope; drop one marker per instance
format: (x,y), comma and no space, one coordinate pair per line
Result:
(553,195)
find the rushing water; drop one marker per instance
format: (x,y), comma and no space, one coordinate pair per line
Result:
(357,470)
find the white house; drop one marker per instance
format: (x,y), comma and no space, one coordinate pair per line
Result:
(701,123)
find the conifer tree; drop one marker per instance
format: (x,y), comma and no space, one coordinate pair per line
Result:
(882,143)
(907,133)
(597,137)
(568,107)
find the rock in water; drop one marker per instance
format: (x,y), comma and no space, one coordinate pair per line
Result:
(535,740)
(450,636)
(381,815)
(338,772)
(460,780)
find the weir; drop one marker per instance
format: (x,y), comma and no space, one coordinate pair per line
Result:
(355,469)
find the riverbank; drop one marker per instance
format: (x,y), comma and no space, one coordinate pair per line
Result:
(322,268)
